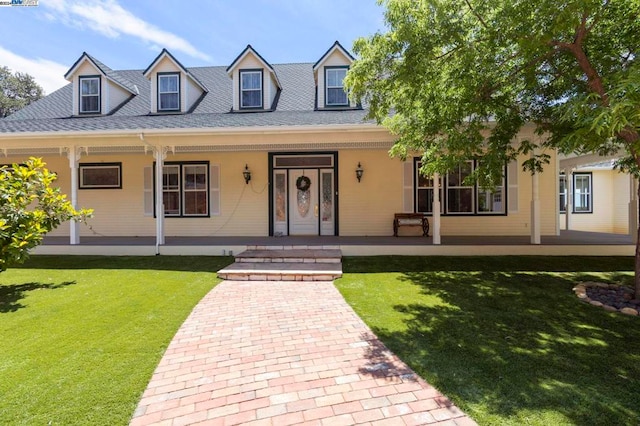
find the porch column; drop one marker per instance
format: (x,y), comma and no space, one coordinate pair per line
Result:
(633,208)
(159,154)
(436,208)
(73,153)
(569,185)
(535,209)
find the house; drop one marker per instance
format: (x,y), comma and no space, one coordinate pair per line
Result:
(250,149)
(595,197)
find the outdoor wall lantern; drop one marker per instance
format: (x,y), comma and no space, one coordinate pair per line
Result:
(247,174)
(359,172)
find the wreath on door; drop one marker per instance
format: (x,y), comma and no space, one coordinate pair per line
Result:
(303,183)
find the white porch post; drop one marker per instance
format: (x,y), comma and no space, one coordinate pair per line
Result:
(633,208)
(159,154)
(535,209)
(569,185)
(73,153)
(436,209)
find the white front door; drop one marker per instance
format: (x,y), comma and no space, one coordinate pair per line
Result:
(303,204)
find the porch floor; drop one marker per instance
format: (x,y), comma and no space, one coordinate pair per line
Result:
(565,238)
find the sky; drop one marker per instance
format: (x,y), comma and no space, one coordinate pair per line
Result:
(45,40)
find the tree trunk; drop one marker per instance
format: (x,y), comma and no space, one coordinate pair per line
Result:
(636,279)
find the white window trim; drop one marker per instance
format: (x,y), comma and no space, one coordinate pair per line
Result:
(589,193)
(161,92)
(242,89)
(186,190)
(92,95)
(181,190)
(427,188)
(461,186)
(327,87)
(562,208)
(174,189)
(444,194)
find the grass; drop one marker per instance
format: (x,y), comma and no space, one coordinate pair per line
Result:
(505,337)
(82,335)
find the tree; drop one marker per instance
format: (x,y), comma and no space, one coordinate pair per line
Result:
(17,91)
(458,79)
(29,208)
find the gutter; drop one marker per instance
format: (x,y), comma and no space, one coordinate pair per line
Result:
(222,131)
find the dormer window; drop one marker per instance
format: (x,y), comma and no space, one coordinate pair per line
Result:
(335,94)
(250,88)
(90,95)
(169,92)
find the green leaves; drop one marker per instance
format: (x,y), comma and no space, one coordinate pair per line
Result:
(17,90)
(30,208)
(458,79)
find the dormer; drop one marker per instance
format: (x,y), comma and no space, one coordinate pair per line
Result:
(255,83)
(329,73)
(173,88)
(97,89)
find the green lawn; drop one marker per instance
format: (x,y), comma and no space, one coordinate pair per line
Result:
(81,336)
(505,337)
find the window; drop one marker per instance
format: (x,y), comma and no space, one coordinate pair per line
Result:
(168,92)
(459,195)
(90,95)
(459,198)
(563,194)
(491,200)
(185,189)
(424,192)
(251,89)
(334,87)
(100,175)
(582,191)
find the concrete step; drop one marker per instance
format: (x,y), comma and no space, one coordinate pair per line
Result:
(293,247)
(281,271)
(308,255)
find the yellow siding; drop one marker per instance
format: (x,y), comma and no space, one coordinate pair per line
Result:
(192,94)
(116,95)
(365,208)
(621,196)
(610,205)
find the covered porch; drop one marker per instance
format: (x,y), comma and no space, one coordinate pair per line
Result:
(568,243)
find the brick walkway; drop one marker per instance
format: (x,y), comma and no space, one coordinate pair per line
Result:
(280,353)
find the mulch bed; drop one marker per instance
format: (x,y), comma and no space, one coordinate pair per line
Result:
(611,297)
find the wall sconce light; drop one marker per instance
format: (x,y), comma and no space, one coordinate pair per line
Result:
(359,172)
(247,174)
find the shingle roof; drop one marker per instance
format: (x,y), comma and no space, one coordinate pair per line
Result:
(295,107)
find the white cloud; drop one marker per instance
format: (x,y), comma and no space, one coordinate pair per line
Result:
(110,19)
(48,74)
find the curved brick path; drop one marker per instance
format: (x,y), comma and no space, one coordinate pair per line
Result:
(280,353)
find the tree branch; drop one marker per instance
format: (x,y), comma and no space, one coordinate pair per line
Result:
(484,24)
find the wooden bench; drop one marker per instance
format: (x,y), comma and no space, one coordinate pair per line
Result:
(411,219)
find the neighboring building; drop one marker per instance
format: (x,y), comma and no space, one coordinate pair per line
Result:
(234,145)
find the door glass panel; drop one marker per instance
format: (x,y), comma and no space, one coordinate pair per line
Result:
(281,197)
(304,202)
(327,196)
